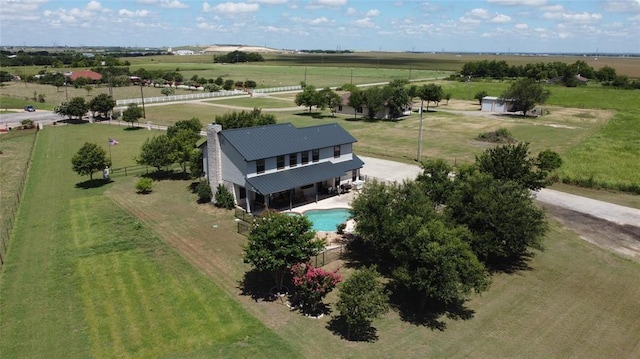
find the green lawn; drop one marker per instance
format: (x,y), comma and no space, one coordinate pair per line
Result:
(86,279)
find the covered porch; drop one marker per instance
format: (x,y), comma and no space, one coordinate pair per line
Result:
(285,190)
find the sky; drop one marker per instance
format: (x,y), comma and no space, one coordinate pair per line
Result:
(494,26)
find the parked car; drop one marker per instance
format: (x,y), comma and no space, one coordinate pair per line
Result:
(29,108)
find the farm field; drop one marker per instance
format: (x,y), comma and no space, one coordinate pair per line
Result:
(109,255)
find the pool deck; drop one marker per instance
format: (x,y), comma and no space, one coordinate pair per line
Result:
(338,201)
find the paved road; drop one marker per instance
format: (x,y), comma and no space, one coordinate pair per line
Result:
(13,119)
(396,171)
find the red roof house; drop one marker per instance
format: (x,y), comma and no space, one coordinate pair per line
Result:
(88,74)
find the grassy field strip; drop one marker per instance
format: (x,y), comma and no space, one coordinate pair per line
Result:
(608,155)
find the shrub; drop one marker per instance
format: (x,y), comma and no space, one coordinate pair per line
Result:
(26,124)
(224,198)
(311,286)
(341,227)
(145,185)
(204,192)
(501,135)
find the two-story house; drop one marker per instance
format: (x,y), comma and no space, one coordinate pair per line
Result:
(279,165)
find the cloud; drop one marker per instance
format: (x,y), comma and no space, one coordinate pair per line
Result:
(518,2)
(168,4)
(271,2)
(129,13)
(277,30)
(501,19)
(94,6)
(373,12)
(231,8)
(351,11)
(628,6)
(366,23)
(318,21)
(521,26)
(475,16)
(583,17)
(329,3)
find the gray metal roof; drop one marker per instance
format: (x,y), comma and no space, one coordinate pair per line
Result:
(259,142)
(302,176)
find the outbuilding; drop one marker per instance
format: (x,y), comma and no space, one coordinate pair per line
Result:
(493,104)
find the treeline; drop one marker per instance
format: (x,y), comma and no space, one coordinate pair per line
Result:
(58,59)
(238,56)
(570,75)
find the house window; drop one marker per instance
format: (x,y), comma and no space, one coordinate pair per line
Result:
(280,162)
(359,110)
(293,159)
(315,155)
(260,166)
(243,193)
(340,108)
(354,175)
(336,151)
(305,157)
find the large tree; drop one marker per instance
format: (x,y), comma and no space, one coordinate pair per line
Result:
(244,118)
(132,114)
(374,100)
(77,107)
(430,93)
(330,99)
(512,162)
(362,299)
(524,95)
(435,261)
(309,97)
(103,104)
(278,241)
(501,214)
(436,180)
(396,98)
(156,152)
(183,136)
(90,158)
(356,99)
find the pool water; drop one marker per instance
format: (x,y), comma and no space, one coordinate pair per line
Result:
(327,219)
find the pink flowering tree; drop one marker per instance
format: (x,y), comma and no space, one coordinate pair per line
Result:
(311,285)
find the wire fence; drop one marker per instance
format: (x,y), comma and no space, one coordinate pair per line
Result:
(11,206)
(202,95)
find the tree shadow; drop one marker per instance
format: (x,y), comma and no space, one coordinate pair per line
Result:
(134,128)
(93,183)
(257,285)
(193,187)
(73,121)
(433,312)
(358,333)
(509,265)
(316,115)
(161,175)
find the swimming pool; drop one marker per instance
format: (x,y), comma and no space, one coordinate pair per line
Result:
(327,219)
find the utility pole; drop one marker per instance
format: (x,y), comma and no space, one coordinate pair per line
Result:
(144,113)
(351,76)
(420,133)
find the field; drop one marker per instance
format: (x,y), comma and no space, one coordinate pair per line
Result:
(86,279)
(105,273)
(101,272)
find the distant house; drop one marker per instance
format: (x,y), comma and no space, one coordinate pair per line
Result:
(362,111)
(92,76)
(492,104)
(279,165)
(184,52)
